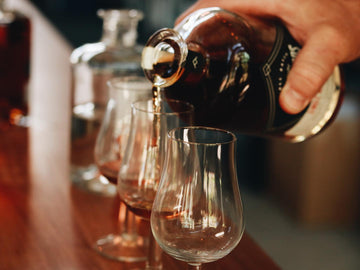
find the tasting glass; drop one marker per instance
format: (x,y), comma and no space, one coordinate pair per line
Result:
(197,215)
(140,170)
(109,150)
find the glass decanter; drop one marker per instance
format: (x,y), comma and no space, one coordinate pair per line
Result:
(93,64)
(14,66)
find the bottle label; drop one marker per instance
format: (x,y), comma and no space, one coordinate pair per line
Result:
(195,62)
(321,108)
(275,71)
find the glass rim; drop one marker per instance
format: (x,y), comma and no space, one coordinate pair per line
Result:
(190,107)
(171,135)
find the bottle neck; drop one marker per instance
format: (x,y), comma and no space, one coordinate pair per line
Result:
(120,27)
(164,57)
(6,13)
(2,6)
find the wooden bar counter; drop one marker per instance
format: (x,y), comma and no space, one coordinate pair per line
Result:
(45,222)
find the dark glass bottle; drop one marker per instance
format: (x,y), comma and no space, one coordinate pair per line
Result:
(232,70)
(14,66)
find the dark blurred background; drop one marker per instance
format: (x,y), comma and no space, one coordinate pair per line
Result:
(77,19)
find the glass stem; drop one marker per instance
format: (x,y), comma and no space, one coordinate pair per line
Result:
(194,266)
(154,256)
(129,225)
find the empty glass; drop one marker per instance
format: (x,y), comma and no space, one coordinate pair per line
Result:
(197,215)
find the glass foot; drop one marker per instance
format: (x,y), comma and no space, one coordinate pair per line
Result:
(91,180)
(124,247)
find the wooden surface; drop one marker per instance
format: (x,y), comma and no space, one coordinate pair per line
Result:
(45,222)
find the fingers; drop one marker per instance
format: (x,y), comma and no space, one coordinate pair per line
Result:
(312,67)
(324,47)
(197,5)
(254,7)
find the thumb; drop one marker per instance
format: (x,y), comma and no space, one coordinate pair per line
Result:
(312,67)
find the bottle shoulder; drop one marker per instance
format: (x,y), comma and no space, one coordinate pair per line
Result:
(86,52)
(11,16)
(98,53)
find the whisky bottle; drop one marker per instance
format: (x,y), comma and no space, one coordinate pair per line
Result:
(232,69)
(14,66)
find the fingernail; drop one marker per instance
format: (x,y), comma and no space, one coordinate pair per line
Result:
(294,101)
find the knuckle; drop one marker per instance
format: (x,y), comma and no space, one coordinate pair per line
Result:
(333,39)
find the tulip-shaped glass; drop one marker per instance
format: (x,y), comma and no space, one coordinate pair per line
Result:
(144,155)
(197,215)
(109,150)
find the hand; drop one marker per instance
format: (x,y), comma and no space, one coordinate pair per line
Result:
(329,32)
